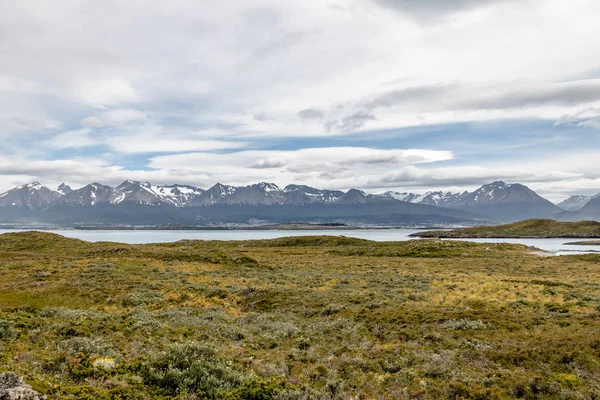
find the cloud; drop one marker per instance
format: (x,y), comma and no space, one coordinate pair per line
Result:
(267,163)
(268,58)
(589,118)
(351,123)
(335,167)
(487,96)
(433,9)
(107,92)
(141,144)
(591,123)
(311,113)
(262,117)
(170,78)
(74,139)
(91,122)
(467,176)
(26,124)
(115,132)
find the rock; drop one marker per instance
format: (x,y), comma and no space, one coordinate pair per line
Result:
(13,388)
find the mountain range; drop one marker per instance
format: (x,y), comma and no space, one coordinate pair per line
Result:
(142,203)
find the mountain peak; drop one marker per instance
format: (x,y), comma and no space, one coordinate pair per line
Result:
(33,196)
(32,185)
(63,188)
(575,202)
(268,187)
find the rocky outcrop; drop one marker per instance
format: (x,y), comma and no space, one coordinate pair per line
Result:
(12,387)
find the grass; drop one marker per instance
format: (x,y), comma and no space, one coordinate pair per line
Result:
(532,228)
(298,318)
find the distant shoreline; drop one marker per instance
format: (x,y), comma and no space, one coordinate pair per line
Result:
(584,243)
(528,229)
(281,227)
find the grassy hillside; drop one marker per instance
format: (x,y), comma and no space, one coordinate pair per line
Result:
(531,228)
(298,318)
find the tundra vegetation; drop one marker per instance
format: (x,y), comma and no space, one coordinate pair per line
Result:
(298,318)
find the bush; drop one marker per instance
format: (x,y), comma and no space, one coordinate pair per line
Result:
(142,298)
(191,368)
(464,324)
(88,347)
(255,389)
(6,330)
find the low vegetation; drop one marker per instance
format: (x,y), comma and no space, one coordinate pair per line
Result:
(298,318)
(531,228)
(585,243)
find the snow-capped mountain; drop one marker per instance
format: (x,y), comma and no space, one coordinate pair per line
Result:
(315,195)
(404,196)
(92,194)
(262,193)
(500,193)
(591,210)
(497,200)
(577,202)
(355,196)
(144,193)
(63,189)
(211,196)
(442,199)
(507,202)
(32,196)
(178,194)
(500,200)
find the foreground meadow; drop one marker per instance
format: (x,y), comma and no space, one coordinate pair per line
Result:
(298,318)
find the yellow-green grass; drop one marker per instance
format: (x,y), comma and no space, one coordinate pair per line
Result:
(298,318)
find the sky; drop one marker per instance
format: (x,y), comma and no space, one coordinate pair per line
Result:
(379,95)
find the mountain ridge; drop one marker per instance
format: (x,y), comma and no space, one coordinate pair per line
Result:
(177,203)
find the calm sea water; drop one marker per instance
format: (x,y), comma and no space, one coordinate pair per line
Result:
(140,236)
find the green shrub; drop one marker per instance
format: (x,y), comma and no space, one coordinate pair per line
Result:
(191,368)
(142,298)
(255,389)
(88,347)
(464,324)
(6,330)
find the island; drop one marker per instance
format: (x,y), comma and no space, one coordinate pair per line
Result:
(532,228)
(585,243)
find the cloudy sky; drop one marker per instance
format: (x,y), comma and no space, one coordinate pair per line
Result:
(373,94)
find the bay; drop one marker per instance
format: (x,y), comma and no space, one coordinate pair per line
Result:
(554,245)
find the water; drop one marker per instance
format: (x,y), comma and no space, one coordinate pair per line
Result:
(556,246)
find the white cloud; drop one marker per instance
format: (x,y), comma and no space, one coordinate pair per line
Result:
(141,144)
(73,140)
(591,123)
(280,58)
(106,92)
(92,122)
(334,167)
